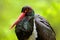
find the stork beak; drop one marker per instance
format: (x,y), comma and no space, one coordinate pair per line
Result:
(18,20)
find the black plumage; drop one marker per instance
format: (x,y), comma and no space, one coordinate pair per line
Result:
(44,29)
(24,28)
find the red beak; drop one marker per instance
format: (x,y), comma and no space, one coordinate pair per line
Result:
(18,20)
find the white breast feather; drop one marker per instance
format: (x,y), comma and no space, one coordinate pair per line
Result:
(34,34)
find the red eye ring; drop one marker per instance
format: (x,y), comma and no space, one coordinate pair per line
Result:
(26,10)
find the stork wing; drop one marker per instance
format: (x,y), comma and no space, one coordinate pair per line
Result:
(44,29)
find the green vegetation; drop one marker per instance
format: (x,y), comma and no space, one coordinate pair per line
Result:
(10,10)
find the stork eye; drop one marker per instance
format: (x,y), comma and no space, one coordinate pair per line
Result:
(26,10)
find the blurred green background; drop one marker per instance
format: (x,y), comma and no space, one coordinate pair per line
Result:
(10,10)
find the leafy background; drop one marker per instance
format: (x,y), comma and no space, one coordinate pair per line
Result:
(10,10)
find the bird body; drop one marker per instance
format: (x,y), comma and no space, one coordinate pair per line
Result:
(24,28)
(44,29)
(40,30)
(33,27)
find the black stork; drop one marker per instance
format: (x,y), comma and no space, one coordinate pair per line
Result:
(32,27)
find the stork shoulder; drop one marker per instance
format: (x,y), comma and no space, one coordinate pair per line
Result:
(43,21)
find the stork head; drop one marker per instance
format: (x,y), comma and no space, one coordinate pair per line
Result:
(26,11)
